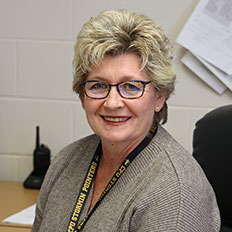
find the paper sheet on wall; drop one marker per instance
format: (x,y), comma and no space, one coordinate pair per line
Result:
(201,71)
(223,77)
(208,33)
(25,216)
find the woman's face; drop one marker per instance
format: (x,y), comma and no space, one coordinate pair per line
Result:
(116,119)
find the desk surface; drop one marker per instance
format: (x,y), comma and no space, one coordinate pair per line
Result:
(13,198)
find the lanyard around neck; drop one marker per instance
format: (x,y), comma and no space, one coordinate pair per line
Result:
(74,225)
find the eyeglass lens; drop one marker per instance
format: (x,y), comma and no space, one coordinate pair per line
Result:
(127,89)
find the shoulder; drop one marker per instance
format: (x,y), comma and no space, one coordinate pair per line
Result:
(183,164)
(73,150)
(72,153)
(69,158)
(181,187)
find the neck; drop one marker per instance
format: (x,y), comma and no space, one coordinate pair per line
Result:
(113,154)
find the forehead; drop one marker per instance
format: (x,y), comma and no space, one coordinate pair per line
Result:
(119,68)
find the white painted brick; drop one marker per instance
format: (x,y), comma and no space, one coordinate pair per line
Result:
(193,92)
(83,11)
(195,115)
(156,10)
(25,167)
(36,39)
(81,126)
(9,16)
(7,68)
(45,70)
(36,19)
(18,121)
(8,168)
(178,125)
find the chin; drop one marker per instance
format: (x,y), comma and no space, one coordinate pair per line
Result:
(118,138)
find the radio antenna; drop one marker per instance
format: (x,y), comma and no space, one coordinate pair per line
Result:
(37,137)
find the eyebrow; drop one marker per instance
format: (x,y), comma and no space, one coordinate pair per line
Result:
(122,78)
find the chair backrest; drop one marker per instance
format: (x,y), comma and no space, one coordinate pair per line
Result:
(212,148)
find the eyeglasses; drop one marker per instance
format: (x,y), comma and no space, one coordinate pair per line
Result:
(132,89)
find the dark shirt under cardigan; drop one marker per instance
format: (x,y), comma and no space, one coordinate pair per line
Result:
(163,190)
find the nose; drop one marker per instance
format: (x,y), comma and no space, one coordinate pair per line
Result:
(114,100)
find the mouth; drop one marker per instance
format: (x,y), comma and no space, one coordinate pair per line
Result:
(115,119)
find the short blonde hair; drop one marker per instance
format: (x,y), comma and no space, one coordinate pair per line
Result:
(118,32)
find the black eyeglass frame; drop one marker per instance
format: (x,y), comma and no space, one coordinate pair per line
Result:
(118,89)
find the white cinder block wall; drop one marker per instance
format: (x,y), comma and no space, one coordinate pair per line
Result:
(36,51)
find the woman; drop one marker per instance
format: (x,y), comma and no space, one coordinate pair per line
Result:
(131,175)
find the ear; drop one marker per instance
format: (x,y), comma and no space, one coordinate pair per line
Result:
(160,100)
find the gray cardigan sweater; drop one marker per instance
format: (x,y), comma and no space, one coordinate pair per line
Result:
(163,190)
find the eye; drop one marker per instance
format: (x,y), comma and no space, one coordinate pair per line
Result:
(131,86)
(98,85)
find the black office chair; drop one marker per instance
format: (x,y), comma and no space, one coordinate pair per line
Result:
(212,148)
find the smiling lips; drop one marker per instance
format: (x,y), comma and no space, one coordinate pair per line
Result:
(115,119)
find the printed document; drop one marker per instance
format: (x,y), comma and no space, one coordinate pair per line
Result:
(208,33)
(196,66)
(25,216)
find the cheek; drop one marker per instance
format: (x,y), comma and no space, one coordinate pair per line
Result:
(91,107)
(143,107)
(86,105)
(148,108)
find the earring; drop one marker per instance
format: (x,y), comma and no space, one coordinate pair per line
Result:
(157,108)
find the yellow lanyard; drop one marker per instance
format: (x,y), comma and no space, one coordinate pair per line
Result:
(73,225)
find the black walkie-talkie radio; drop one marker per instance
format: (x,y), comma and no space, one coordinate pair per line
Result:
(41,161)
